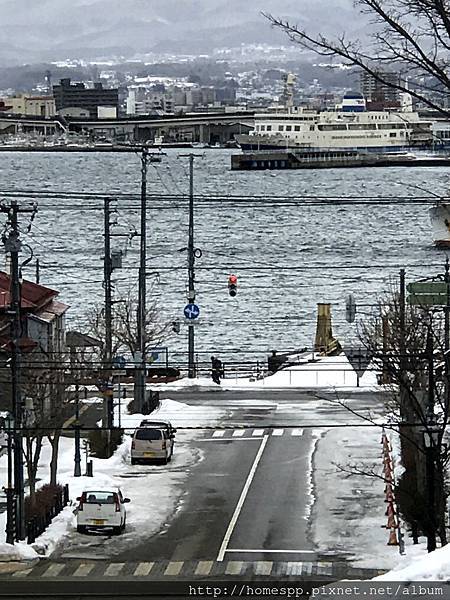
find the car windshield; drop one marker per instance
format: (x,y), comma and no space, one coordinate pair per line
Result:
(148,434)
(100,497)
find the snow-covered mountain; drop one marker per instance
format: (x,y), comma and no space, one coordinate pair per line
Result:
(31,30)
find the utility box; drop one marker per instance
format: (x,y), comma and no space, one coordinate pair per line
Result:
(116,259)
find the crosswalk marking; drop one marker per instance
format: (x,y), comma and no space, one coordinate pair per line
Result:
(83,570)
(174,568)
(219,433)
(204,567)
(278,432)
(294,568)
(234,567)
(185,569)
(114,569)
(323,568)
(22,573)
(263,567)
(143,569)
(238,432)
(53,570)
(297,432)
(258,432)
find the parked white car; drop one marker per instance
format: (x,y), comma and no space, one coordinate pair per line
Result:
(151,443)
(102,509)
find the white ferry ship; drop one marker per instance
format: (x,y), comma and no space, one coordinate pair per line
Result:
(351,127)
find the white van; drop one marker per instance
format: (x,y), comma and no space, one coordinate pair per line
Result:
(151,443)
(102,509)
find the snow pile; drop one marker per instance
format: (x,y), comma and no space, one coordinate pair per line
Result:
(434,566)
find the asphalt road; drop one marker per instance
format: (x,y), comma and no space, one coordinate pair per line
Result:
(245,508)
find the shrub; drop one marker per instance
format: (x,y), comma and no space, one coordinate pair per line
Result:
(98,442)
(44,500)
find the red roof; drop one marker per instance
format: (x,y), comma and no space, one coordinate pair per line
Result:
(33,295)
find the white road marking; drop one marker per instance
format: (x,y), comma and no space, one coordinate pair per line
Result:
(241,500)
(324,568)
(114,569)
(234,567)
(22,573)
(219,433)
(258,432)
(263,567)
(53,570)
(143,569)
(266,551)
(174,568)
(297,432)
(83,570)
(238,432)
(238,439)
(278,432)
(71,420)
(204,567)
(294,568)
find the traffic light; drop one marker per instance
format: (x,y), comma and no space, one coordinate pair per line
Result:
(176,326)
(232,285)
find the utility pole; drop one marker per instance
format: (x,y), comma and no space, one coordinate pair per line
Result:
(13,246)
(447,332)
(107,420)
(191,264)
(140,374)
(429,448)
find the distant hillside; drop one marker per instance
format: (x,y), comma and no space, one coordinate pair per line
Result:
(51,29)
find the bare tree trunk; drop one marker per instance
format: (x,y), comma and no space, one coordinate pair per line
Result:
(54,441)
(33,447)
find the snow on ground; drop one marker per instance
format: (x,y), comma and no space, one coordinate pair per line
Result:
(160,487)
(417,565)
(325,372)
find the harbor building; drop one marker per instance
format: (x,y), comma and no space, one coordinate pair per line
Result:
(77,95)
(32,106)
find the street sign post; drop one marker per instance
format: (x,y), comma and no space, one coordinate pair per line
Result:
(191,311)
(427,293)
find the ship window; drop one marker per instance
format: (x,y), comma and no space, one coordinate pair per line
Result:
(280,127)
(297,128)
(393,134)
(263,127)
(288,127)
(269,127)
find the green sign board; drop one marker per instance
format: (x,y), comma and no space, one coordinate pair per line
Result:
(427,293)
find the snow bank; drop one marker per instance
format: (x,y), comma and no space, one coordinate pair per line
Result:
(434,566)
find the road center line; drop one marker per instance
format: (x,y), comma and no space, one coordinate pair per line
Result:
(241,500)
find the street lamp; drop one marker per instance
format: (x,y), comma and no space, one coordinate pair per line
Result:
(431,443)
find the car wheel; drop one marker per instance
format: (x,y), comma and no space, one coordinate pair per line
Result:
(133,461)
(122,529)
(117,530)
(81,528)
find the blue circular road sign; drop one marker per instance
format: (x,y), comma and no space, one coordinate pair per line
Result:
(191,311)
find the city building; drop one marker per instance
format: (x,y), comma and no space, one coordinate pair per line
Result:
(377,92)
(77,95)
(33,106)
